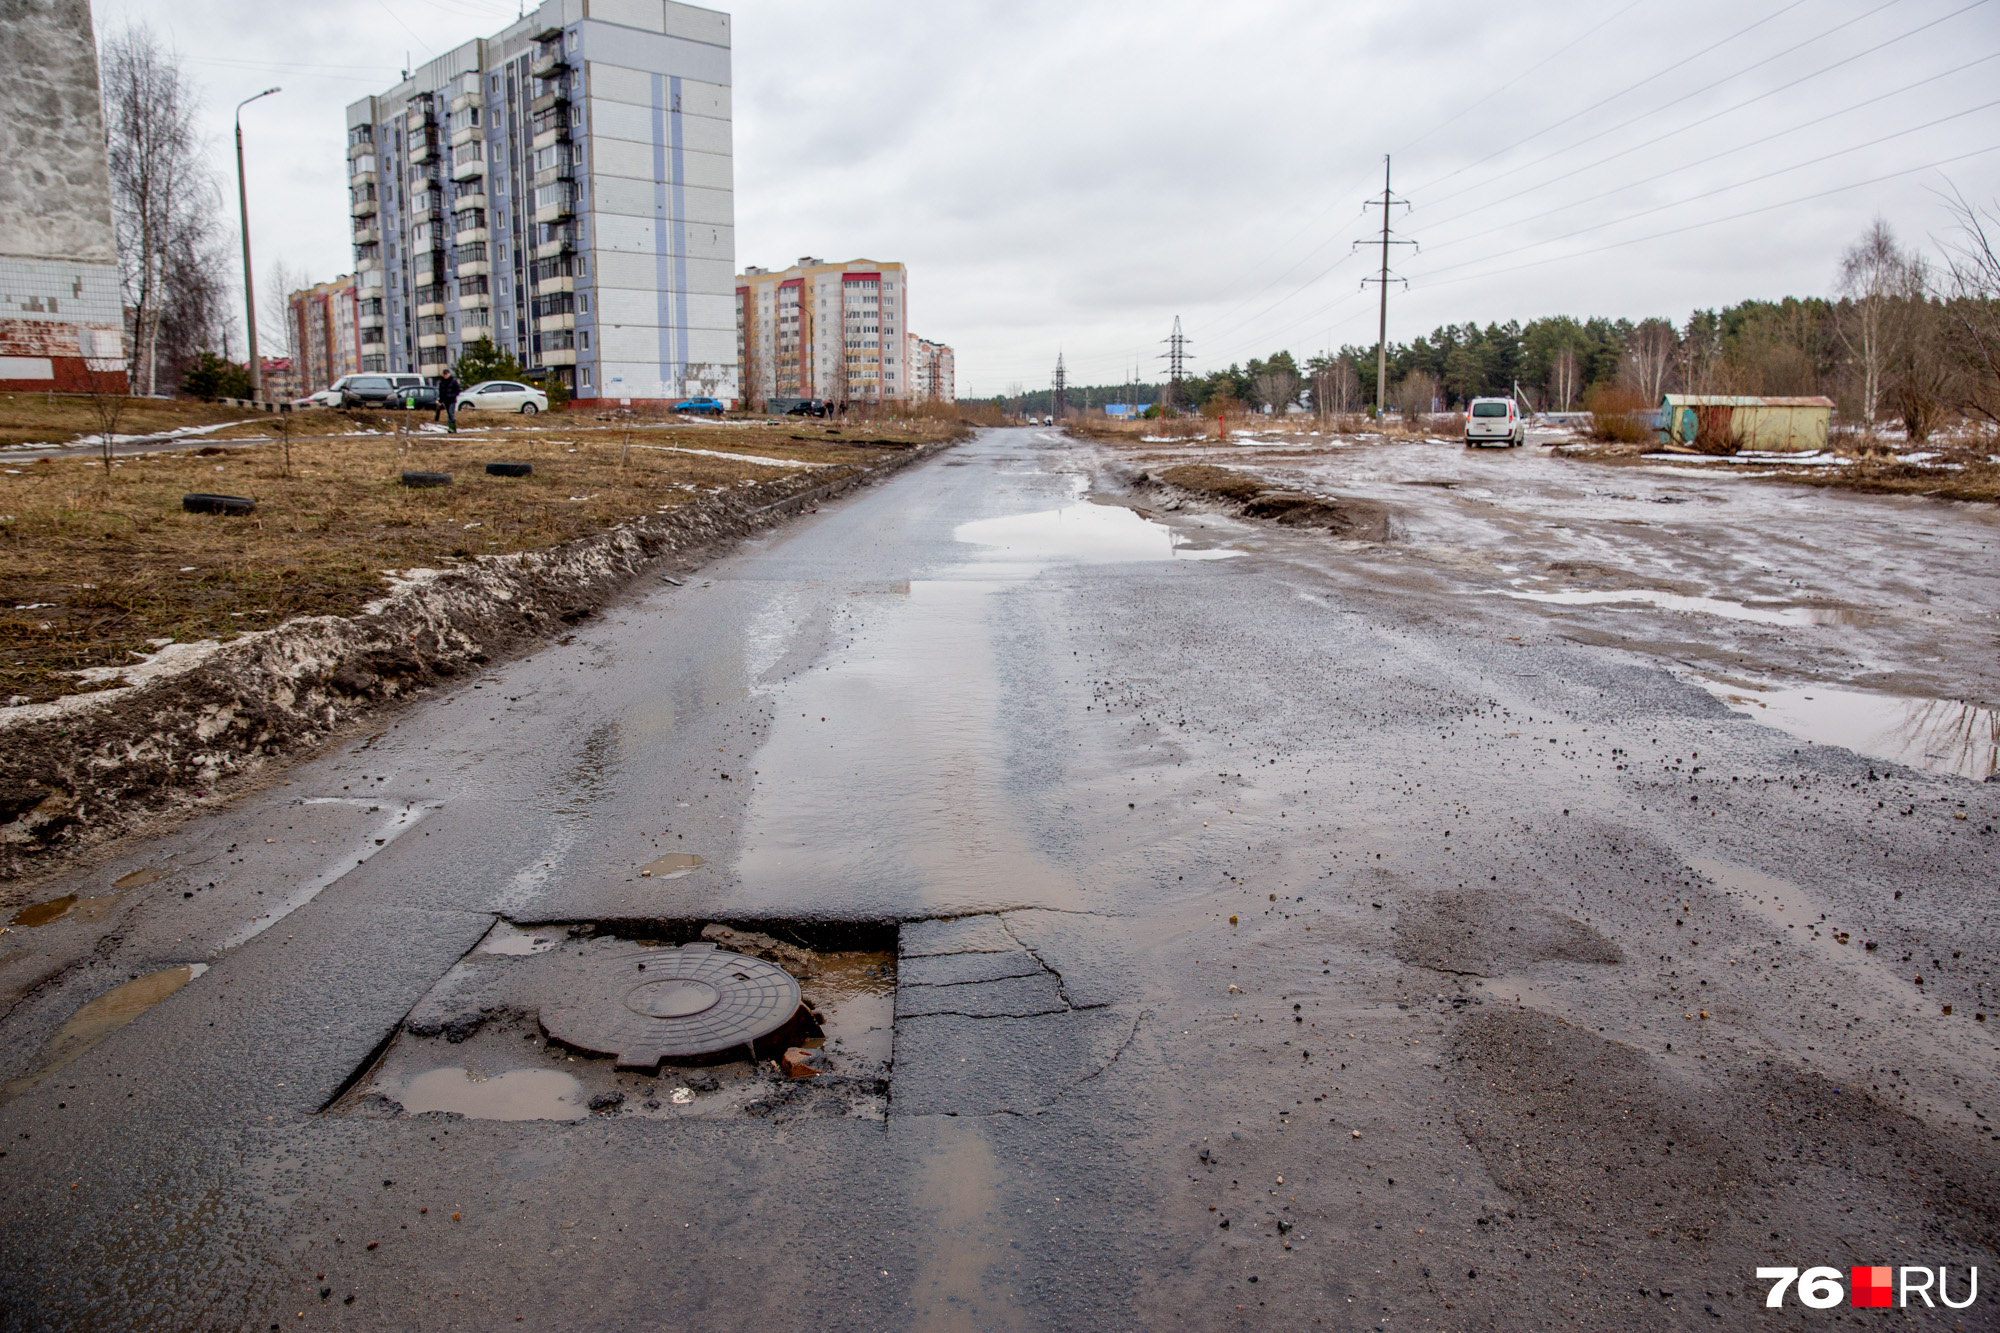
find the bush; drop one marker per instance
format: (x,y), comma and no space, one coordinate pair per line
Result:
(1618,415)
(209,377)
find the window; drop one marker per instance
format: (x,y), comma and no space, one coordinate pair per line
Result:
(586,340)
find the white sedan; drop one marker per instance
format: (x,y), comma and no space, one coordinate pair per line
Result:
(503,396)
(327,397)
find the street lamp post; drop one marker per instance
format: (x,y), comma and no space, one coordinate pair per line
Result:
(249,284)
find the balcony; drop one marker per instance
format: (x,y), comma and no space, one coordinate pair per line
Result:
(555,95)
(469,199)
(432,354)
(363,202)
(367,232)
(361,141)
(554,203)
(472,236)
(468,169)
(548,60)
(423,150)
(551,127)
(474,268)
(555,242)
(362,169)
(559,356)
(476,301)
(551,323)
(549,286)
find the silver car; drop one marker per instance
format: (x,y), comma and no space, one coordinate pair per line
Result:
(503,396)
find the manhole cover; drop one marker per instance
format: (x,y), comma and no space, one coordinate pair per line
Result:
(648,1005)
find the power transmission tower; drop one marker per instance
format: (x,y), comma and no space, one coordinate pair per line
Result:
(1382,332)
(1176,359)
(1059,406)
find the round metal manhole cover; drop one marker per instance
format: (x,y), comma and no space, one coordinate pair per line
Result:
(647,1005)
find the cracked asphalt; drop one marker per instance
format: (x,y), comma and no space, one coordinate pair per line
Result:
(1283,940)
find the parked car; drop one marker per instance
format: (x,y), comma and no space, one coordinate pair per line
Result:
(701,407)
(503,396)
(387,391)
(798,407)
(329,396)
(1494,421)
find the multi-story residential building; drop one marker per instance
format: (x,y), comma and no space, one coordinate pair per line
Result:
(820,330)
(564,188)
(933,371)
(62,320)
(281,379)
(326,329)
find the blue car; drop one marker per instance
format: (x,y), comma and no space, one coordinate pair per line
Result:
(699,406)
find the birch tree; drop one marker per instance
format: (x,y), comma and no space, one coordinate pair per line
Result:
(1874,276)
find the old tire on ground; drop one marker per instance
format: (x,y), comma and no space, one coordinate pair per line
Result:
(418,479)
(217,504)
(509,469)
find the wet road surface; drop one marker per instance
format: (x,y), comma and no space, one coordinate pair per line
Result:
(1285,933)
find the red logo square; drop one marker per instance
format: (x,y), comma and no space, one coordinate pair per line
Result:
(1870,1289)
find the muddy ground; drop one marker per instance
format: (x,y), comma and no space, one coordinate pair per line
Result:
(1477,925)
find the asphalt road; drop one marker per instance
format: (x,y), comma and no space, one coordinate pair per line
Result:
(1286,941)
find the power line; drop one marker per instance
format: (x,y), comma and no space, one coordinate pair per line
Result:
(1382,338)
(1709,87)
(1603,101)
(1176,359)
(1695,226)
(1720,189)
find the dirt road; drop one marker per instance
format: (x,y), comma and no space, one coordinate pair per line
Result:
(1215,925)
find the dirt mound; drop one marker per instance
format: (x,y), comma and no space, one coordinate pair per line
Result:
(1355,520)
(1486,933)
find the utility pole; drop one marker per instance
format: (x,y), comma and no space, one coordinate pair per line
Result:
(1176,359)
(1059,401)
(249,284)
(1382,328)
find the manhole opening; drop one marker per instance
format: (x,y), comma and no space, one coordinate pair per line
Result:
(671,1019)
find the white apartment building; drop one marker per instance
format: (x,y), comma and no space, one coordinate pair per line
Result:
(564,187)
(933,371)
(818,330)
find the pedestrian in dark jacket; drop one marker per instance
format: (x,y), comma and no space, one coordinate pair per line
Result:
(448,392)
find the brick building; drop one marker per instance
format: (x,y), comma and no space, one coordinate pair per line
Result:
(326,329)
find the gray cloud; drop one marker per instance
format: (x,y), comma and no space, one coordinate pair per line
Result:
(1075,174)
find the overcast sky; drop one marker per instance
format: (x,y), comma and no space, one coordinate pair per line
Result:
(1072,174)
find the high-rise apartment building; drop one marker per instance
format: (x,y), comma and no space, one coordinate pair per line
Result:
(62,319)
(933,371)
(326,330)
(565,188)
(820,330)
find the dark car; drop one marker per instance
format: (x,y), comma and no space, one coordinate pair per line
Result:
(388,391)
(799,407)
(707,407)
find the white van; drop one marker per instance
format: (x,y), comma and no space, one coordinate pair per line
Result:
(1494,421)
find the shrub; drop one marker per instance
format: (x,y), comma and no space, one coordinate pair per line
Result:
(209,377)
(1618,415)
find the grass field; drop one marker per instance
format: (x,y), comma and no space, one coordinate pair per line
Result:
(95,568)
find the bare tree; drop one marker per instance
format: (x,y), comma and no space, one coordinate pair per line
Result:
(164,201)
(1874,275)
(1649,359)
(1564,374)
(1918,375)
(1416,394)
(1973,283)
(280,281)
(1279,388)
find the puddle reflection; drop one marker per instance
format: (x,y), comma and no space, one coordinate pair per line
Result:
(518,1094)
(1708,606)
(672,866)
(1085,533)
(1934,735)
(104,1016)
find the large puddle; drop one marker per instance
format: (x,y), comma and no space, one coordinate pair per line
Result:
(1084,533)
(104,1016)
(1934,735)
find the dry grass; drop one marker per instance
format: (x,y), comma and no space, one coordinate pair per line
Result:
(40,418)
(93,569)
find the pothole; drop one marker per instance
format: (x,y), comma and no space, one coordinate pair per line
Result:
(677,1020)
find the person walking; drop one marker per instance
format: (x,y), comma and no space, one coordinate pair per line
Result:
(448,391)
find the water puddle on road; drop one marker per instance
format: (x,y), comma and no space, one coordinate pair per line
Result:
(145,875)
(672,866)
(55,909)
(1085,533)
(1935,735)
(102,1017)
(855,994)
(513,942)
(518,1094)
(1708,606)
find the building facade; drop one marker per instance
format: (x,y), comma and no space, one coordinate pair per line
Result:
(933,371)
(819,330)
(326,330)
(62,318)
(565,188)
